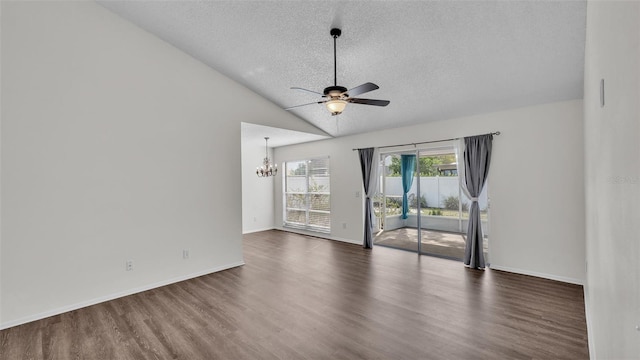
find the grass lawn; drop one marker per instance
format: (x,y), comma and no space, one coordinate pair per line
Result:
(442,212)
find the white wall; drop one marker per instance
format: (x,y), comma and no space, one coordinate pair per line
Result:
(113,145)
(257,193)
(612,179)
(536,176)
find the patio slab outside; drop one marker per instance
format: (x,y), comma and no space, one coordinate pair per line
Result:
(438,243)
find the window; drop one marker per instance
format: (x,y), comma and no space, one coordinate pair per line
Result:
(307,196)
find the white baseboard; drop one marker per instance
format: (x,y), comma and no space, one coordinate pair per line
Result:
(257,230)
(537,274)
(319,235)
(64,309)
(587,312)
(350,241)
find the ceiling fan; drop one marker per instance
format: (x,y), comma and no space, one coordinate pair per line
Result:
(336,97)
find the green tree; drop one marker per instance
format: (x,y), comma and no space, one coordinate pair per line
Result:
(394,167)
(300,170)
(428,164)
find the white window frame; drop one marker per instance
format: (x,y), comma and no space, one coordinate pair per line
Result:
(307,194)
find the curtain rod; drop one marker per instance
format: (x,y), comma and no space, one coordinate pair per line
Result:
(426,142)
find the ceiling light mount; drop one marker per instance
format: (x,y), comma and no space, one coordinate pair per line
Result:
(335,91)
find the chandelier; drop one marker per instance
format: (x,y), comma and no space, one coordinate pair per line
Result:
(267,168)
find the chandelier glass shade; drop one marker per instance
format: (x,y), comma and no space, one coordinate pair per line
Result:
(267,169)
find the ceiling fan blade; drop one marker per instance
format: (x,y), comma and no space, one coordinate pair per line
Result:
(307,90)
(362,89)
(369,101)
(297,106)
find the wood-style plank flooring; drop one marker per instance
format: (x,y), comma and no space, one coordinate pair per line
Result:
(301,297)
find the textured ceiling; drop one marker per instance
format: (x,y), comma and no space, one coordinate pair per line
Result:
(254,135)
(433,60)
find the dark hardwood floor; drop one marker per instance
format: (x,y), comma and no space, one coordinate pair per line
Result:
(301,297)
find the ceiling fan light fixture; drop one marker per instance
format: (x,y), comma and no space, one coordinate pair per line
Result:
(336,106)
(336,97)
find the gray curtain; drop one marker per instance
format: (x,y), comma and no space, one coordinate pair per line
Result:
(477,156)
(367,165)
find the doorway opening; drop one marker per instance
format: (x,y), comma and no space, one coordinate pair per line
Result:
(421,207)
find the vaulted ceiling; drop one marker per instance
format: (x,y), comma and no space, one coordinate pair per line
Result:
(433,60)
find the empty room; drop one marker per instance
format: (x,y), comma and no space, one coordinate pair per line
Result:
(319,179)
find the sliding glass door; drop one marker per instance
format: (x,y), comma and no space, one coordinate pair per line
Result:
(441,226)
(432,217)
(397,217)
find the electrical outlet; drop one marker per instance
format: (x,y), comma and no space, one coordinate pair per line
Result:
(185,254)
(344,225)
(129,265)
